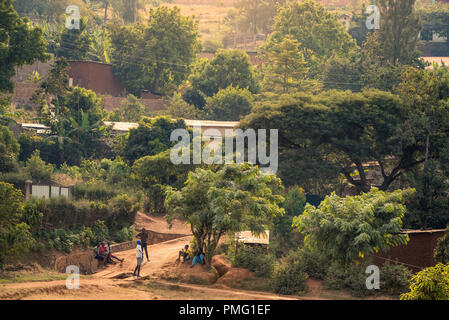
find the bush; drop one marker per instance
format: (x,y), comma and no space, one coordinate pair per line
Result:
(39,172)
(254,259)
(394,278)
(351,277)
(288,276)
(312,262)
(441,253)
(429,284)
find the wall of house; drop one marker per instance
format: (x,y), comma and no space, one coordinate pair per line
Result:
(417,254)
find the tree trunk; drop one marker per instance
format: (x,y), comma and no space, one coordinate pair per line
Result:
(106,7)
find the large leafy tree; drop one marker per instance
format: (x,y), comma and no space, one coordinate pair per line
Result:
(156,55)
(234,198)
(286,67)
(357,226)
(425,94)
(339,132)
(319,31)
(228,67)
(20,43)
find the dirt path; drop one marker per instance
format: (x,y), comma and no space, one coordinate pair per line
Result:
(105,285)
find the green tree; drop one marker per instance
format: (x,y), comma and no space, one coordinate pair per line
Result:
(20,43)
(228,67)
(234,198)
(286,67)
(151,137)
(338,132)
(132,109)
(319,31)
(357,226)
(15,237)
(9,150)
(429,284)
(229,104)
(74,44)
(157,55)
(426,97)
(398,33)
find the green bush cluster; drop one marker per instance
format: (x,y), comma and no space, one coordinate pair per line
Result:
(254,259)
(289,276)
(394,278)
(429,284)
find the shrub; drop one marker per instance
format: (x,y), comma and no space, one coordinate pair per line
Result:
(429,284)
(351,277)
(288,276)
(394,278)
(441,253)
(312,262)
(254,259)
(38,170)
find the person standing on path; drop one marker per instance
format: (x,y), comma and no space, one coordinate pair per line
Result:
(139,256)
(143,235)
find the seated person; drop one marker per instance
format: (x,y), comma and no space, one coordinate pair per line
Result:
(100,253)
(111,256)
(199,257)
(184,253)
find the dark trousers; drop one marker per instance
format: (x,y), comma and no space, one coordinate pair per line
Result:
(144,247)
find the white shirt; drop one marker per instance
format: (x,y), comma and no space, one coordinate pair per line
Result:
(139,253)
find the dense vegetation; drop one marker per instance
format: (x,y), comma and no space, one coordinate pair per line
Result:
(362,123)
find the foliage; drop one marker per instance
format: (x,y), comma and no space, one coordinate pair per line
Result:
(9,150)
(254,259)
(228,67)
(132,109)
(75,44)
(288,276)
(286,67)
(394,278)
(20,43)
(178,108)
(338,132)
(157,55)
(294,204)
(38,170)
(151,137)
(441,253)
(229,104)
(357,226)
(15,237)
(398,35)
(317,30)
(234,198)
(429,284)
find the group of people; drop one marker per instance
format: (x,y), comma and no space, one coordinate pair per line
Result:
(104,254)
(186,254)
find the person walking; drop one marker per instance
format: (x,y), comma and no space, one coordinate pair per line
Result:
(143,235)
(139,256)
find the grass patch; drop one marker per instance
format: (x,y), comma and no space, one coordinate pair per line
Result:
(17,277)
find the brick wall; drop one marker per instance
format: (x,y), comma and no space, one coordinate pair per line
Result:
(97,77)
(417,253)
